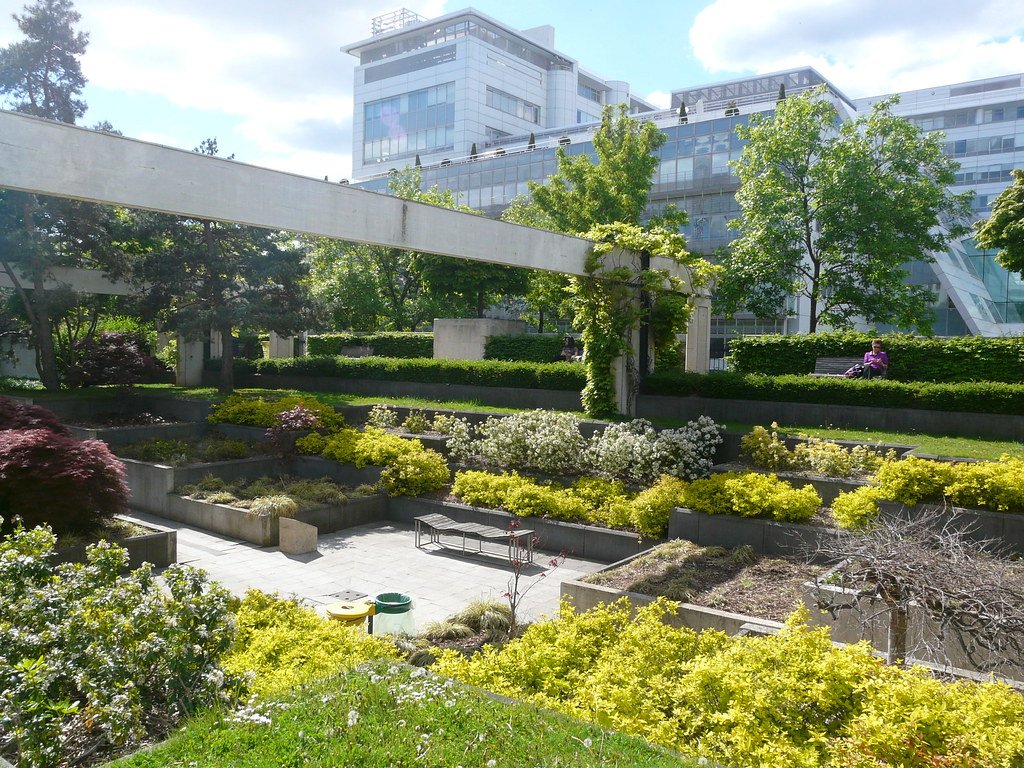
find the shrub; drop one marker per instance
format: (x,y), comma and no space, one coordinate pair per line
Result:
(459,434)
(171,452)
(651,509)
(257,412)
(314,444)
(913,480)
(414,473)
(114,358)
(416,423)
(381,449)
(478,373)
(18,415)
(546,441)
(536,348)
(284,645)
(340,446)
(751,494)
(995,485)
(857,508)
(394,344)
(91,659)
(483,489)
(766,450)
(74,485)
(382,417)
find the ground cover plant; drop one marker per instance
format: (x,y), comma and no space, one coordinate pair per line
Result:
(92,661)
(736,580)
(303,493)
(812,455)
(790,699)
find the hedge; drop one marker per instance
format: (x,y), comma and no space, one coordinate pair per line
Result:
(404,345)
(536,348)
(912,358)
(967,397)
(482,373)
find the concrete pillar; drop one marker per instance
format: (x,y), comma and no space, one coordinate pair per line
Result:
(281,346)
(189,371)
(216,345)
(465,338)
(698,336)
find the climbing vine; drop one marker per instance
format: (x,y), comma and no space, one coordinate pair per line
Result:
(608,306)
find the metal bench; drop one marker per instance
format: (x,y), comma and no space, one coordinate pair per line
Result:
(834,366)
(433,527)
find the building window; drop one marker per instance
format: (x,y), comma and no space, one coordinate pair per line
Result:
(513,105)
(401,126)
(585,117)
(588,93)
(409,64)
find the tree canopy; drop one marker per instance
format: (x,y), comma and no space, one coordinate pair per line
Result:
(834,212)
(1004,229)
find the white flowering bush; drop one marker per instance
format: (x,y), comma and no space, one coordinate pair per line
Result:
(460,436)
(91,660)
(636,452)
(544,441)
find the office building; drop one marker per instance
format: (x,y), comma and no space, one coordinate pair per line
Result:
(484,107)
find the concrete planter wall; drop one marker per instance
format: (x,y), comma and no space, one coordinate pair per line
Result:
(264,531)
(827,487)
(765,537)
(851,618)
(589,542)
(697,617)
(346,474)
(151,483)
(158,547)
(1000,426)
(118,436)
(980,525)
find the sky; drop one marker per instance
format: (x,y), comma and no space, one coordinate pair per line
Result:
(268,80)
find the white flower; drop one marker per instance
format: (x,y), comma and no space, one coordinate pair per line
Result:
(353,718)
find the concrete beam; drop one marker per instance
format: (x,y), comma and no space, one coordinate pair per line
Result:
(80,280)
(50,158)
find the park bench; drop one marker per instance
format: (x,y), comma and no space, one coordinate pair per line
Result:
(430,529)
(834,366)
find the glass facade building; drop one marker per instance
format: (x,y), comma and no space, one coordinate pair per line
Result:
(557,106)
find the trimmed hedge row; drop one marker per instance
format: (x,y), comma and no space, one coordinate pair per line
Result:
(482,373)
(965,358)
(534,347)
(967,397)
(403,345)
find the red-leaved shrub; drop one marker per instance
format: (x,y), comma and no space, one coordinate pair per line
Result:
(114,358)
(18,415)
(45,477)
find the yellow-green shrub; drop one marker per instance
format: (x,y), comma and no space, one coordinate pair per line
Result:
(649,512)
(414,473)
(257,412)
(285,644)
(530,499)
(791,699)
(995,485)
(913,480)
(751,494)
(765,449)
(856,508)
(483,489)
(381,449)
(340,446)
(312,444)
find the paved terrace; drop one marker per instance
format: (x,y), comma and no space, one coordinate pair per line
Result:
(374,558)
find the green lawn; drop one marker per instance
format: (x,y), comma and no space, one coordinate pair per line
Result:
(385,714)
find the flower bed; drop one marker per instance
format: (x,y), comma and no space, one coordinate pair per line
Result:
(157,546)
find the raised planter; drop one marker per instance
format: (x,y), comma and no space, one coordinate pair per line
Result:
(150,484)
(827,487)
(765,537)
(697,617)
(119,436)
(585,541)
(980,525)
(158,547)
(265,531)
(314,467)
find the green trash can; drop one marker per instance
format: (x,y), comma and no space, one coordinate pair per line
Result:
(393,614)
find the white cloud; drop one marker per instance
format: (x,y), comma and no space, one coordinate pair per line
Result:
(660,99)
(866,47)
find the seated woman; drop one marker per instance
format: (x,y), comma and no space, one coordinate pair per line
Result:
(570,351)
(876,362)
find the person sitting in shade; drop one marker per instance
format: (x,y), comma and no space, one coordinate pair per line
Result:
(570,351)
(876,361)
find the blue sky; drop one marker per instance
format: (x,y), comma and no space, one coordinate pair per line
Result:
(267,78)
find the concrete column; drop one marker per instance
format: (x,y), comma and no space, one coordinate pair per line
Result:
(281,346)
(216,345)
(189,371)
(465,339)
(698,336)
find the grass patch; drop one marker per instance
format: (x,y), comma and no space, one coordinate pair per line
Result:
(386,714)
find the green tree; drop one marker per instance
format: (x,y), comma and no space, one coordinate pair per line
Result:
(836,211)
(1004,229)
(40,76)
(208,275)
